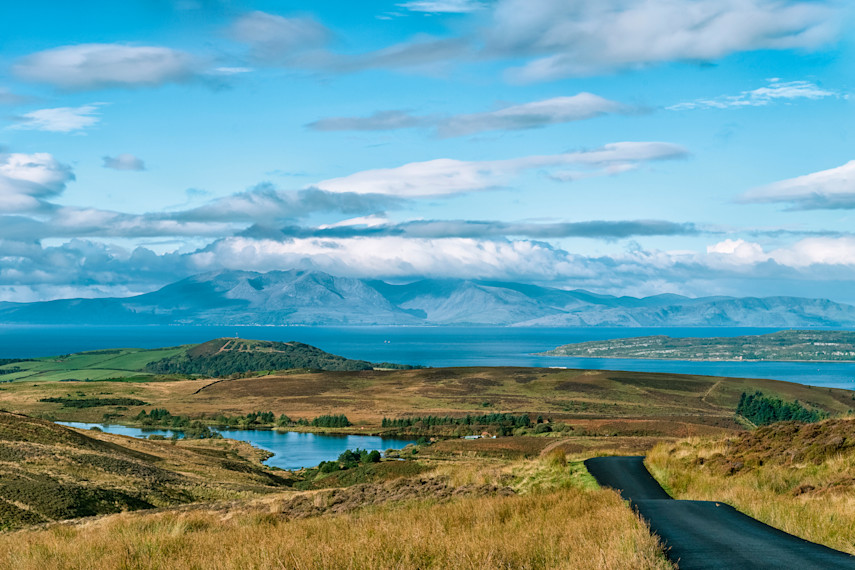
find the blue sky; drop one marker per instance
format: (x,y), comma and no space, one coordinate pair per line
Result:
(700,147)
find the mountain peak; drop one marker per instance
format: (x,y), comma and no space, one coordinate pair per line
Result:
(310,297)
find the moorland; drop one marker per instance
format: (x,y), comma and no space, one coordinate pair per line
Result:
(448,502)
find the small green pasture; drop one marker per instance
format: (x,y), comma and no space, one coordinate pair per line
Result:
(123,363)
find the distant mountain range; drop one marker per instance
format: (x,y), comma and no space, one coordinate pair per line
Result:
(316,298)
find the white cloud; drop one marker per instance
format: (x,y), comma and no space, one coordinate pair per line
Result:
(442,6)
(393,256)
(231,70)
(811,267)
(532,115)
(28,180)
(817,251)
(827,189)
(59,120)
(579,37)
(448,176)
(775,91)
(737,251)
(805,253)
(275,38)
(95,66)
(379,121)
(123,161)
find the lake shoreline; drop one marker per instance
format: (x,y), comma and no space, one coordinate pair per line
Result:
(290,450)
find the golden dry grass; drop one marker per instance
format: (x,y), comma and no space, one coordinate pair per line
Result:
(565,528)
(597,402)
(555,519)
(770,479)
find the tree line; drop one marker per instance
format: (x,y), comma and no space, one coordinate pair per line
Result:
(500,419)
(763,410)
(163,418)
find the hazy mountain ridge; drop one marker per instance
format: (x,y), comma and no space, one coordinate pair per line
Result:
(316,298)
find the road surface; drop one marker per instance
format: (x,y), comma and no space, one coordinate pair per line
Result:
(702,535)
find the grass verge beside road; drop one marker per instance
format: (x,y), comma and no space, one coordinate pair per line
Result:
(532,514)
(799,478)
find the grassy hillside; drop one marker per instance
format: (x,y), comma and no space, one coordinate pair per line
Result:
(485,514)
(50,472)
(225,356)
(215,358)
(796,477)
(120,363)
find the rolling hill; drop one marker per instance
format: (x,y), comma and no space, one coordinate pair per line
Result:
(218,357)
(50,472)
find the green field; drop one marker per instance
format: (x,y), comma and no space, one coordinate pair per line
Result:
(122,363)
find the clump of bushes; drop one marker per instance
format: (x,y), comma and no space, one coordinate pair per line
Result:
(350,459)
(93,402)
(763,410)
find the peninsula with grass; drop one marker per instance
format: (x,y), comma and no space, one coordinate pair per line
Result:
(216,358)
(790,345)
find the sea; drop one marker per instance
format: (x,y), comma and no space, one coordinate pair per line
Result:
(429,346)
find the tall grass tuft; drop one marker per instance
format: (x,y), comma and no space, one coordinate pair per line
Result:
(798,478)
(564,528)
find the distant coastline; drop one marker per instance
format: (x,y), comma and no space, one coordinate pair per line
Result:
(784,346)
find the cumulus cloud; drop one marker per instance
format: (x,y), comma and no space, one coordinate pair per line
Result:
(274,39)
(760,97)
(816,266)
(530,115)
(123,161)
(82,268)
(448,176)
(59,120)
(96,66)
(577,37)
(27,181)
(391,256)
(442,6)
(803,254)
(830,189)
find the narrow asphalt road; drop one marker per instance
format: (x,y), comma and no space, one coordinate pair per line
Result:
(701,535)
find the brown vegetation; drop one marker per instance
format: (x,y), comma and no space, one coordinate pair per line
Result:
(49,472)
(480,515)
(626,399)
(796,477)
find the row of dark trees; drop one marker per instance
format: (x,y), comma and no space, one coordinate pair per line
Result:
(763,410)
(163,418)
(337,421)
(349,459)
(507,420)
(93,402)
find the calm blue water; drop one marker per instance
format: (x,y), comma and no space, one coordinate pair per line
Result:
(429,346)
(292,450)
